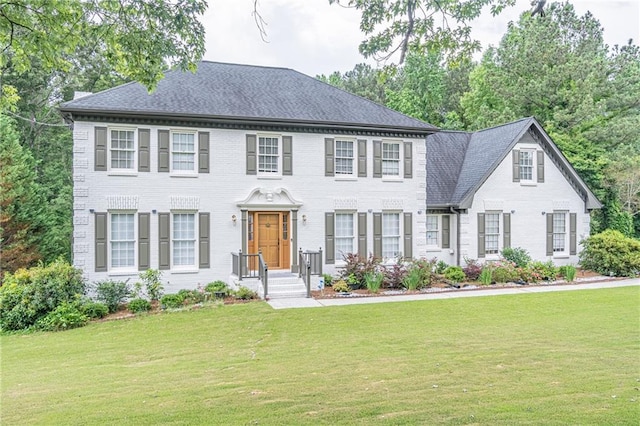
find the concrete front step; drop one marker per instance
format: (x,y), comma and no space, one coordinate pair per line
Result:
(286,287)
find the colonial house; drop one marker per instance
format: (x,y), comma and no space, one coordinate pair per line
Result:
(235,160)
(507,186)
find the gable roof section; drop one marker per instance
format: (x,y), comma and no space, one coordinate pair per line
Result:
(484,151)
(232,92)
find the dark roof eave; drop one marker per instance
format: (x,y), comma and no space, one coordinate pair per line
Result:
(421,131)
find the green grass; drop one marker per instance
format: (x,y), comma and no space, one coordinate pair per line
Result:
(548,358)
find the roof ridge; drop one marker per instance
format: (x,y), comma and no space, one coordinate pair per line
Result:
(503,125)
(245,65)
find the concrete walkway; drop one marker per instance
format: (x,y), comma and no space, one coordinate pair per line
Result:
(317,303)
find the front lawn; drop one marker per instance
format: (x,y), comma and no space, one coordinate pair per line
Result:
(548,358)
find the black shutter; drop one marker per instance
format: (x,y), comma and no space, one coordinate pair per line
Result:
(287,155)
(329,238)
(144,150)
(100,148)
(101,241)
(143,241)
(163,151)
(203,152)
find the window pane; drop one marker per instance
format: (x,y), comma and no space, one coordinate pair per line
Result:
(344,233)
(122,240)
(268,155)
(432,230)
(184,241)
(390,234)
(183,151)
(344,157)
(559,232)
(492,232)
(526,165)
(391,159)
(122,149)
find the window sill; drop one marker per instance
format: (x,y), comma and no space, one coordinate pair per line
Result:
(346,178)
(528,183)
(396,179)
(122,272)
(433,249)
(122,173)
(561,256)
(183,175)
(190,270)
(267,177)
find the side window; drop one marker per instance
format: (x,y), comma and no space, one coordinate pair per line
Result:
(122,240)
(390,159)
(122,149)
(432,230)
(268,154)
(184,239)
(492,232)
(344,157)
(390,235)
(526,165)
(344,233)
(183,152)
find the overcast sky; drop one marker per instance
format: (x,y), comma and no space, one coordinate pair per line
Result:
(314,37)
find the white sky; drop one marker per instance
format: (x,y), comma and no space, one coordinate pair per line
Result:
(314,37)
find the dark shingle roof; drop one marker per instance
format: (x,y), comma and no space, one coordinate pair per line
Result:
(231,91)
(459,162)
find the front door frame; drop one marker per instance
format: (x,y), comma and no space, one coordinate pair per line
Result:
(283,237)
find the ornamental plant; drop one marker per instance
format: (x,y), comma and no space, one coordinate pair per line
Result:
(454,274)
(611,253)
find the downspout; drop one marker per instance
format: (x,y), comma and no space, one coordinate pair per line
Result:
(457,213)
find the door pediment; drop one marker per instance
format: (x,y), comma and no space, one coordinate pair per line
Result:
(269,199)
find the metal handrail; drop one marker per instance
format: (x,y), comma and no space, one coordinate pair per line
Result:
(310,264)
(264,274)
(250,266)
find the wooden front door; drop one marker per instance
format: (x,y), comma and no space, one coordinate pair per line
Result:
(270,236)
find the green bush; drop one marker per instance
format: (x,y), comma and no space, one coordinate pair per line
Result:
(473,269)
(191,297)
(341,286)
(150,279)
(374,281)
(244,293)
(486,276)
(454,274)
(517,255)
(30,294)
(94,310)
(441,266)
(171,301)
(419,274)
(64,317)
(113,293)
(611,253)
(217,287)
(328,280)
(546,271)
(504,272)
(139,305)
(568,272)
(356,267)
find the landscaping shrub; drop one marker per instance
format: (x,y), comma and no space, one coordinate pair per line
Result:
(454,274)
(139,305)
(394,275)
(472,270)
(341,286)
(374,281)
(245,293)
(171,301)
(328,280)
(94,310)
(150,280)
(191,297)
(217,287)
(113,293)
(356,267)
(441,266)
(486,276)
(30,294)
(546,271)
(517,255)
(527,275)
(568,272)
(419,274)
(504,271)
(65,316)
(611,253)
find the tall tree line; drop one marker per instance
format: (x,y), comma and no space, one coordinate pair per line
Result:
(554,67)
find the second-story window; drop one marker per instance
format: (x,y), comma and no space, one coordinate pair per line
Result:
(122,147)
(183,152)
(526,165)
(391,159)
(268,155)
(344,157)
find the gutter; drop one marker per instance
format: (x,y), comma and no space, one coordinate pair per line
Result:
(457,213)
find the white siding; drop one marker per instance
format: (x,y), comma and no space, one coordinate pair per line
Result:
(219,192)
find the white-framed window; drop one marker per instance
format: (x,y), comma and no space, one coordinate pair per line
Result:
(122,149)
(183,151)
(432,230)
(559,232)
(344,236)
(123,241)
(183,239)
(390,235)
(527,170)
(492,232)
(268,154)
(344,157)
(391,158)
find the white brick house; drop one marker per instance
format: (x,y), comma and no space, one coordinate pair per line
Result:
(246,158)
(507,186)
